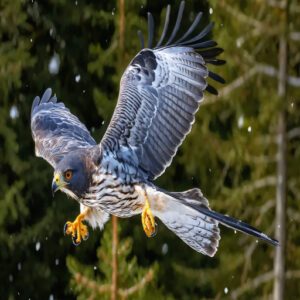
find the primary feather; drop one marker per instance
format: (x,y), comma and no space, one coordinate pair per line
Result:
(56,131)
(160,93)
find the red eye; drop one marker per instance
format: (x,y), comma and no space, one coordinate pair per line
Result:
(68,174)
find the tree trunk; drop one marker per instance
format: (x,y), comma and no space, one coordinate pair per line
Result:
(280,223)
(115,241)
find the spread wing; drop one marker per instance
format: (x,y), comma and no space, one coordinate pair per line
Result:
(160,92)
(55,130)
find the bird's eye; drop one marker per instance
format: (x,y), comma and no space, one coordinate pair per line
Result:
(68,174)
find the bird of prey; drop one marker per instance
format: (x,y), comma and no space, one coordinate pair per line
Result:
(160,93)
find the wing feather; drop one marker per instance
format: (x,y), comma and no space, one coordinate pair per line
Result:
(55,130)
(160,93)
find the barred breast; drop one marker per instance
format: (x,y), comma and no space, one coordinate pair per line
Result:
(113,189)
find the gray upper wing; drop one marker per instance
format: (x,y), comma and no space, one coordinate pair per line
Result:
(55,130)
(160,92)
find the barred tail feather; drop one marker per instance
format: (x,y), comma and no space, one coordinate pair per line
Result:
(197,230)
(233,223)
(197,225)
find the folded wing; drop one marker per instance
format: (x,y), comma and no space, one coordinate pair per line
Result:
(55,130)
(160,92)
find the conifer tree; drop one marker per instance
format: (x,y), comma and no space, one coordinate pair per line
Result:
(231,153)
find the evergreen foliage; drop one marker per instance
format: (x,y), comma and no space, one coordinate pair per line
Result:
(94,282)
(230,153)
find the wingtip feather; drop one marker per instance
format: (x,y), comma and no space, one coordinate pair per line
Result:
(177,24)
(150,29)
(46,96)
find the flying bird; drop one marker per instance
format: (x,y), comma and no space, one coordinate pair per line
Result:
(160,93)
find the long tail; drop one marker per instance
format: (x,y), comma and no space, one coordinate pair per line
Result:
(188,215)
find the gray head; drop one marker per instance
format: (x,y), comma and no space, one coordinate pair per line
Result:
(73,174)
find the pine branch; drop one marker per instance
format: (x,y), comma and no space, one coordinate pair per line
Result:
(259,280)
(95,287)
(240,81)
(293,133)
(281,4)
(91,284)
(261,26)
(260,183)
(295,36)
(124,293)
(231,87)
(273,72)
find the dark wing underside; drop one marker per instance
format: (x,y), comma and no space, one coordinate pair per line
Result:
(160,92)
(55,130)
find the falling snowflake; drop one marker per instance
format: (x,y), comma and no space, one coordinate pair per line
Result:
(240,121)
(54,64)
(14,112)
(164,249)
(77,78)
(37,246)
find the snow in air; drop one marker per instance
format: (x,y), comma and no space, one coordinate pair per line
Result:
(54,64)
(37,246)
(51,297)
(77,78)
(14,112)
(164,249)
(249,129)
(240,121)
(211,11)
(226,290)
(56,261)
(239,42)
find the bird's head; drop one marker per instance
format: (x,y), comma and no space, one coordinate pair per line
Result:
(72,176)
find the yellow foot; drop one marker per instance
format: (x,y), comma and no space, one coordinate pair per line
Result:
(77,229)
(148,221)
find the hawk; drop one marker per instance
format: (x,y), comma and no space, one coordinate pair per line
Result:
(160,93)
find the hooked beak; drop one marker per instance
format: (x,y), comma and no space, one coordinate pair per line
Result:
(57,183)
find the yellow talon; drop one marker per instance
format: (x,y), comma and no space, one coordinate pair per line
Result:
(148,220)
(77,229)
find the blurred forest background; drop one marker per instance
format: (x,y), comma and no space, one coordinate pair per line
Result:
(243,152)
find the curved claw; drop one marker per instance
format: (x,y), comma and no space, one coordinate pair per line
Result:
(153,234)
(85,236)
(75,241)
(66,228)
(77,230)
